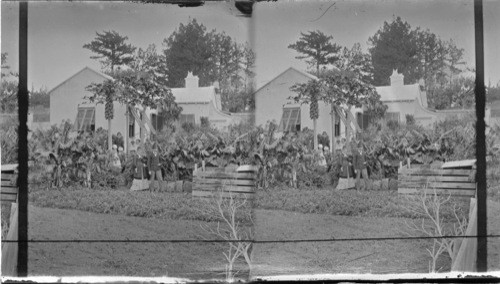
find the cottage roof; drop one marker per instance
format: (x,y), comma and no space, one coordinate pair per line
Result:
(194,95)
(399,92)
(293,69)
(78,73)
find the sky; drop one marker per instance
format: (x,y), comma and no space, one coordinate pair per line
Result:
(279,24)
(58,30)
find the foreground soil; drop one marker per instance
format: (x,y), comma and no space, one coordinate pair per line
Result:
(187,260)
(205,260)
(394,256)
(378,257)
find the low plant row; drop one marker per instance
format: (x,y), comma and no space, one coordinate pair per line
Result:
(128,203)
(182,206)
(347,203)
(283,158)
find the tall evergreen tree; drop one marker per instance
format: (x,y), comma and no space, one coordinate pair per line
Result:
(188,49)
(354,60)
(394,46)
(317,49)
(213,57)
(112,50)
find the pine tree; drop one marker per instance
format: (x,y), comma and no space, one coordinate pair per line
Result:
(112,50)
(317,49)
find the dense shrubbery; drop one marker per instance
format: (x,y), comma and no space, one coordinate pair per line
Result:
(8,141)
(73,157)
(346,202)
(181,206)
(128,203)
(386,147)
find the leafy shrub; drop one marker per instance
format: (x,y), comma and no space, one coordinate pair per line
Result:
(317,177)
(188,126)
(410,119)
(324,139)
(204,121)
(392,124)
(346,202)
(73,156)
(107,180)
(8,141)
(448,140)
(128,203)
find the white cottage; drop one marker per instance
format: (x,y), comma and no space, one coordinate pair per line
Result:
(403,100)
(199,102)
(67,103)
(272,103)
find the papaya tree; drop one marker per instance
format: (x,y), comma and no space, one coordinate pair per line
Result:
(346,88)
(135,88)
(310,93)
(113,51)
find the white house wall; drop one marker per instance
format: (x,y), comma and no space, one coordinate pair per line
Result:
(270,99)
(67,97)
(404,108)
(222,120)
(273,97)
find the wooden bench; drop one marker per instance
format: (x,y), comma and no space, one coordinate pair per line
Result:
(8,196)
(239,183)
(9,189)
(455,182)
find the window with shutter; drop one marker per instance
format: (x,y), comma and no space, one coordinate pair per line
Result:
(186,118)
(85,119)
(290,120)
(392,116)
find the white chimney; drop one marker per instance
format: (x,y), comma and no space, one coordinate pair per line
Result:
(191,81)
(397,79)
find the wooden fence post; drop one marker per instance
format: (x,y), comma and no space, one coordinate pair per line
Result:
(465,260)
(10,250)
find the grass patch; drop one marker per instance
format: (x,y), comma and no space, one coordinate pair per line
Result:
(181,206)
(346,202)
(128,203)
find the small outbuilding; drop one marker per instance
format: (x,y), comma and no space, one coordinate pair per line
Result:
(68,103)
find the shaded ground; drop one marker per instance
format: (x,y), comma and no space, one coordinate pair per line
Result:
(493,229)
(193,260)
(205,260)
(393,256)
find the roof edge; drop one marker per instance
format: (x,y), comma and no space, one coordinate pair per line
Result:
(74,75)
(286,70)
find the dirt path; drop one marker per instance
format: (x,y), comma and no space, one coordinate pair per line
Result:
(393,256)
(195,261)
(326,257)
(493,229)
(199,261)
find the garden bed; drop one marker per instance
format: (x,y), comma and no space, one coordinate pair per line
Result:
(345,202)
(163,205)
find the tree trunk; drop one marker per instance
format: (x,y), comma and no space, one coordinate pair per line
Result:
(348,130)
(110,140)
(127,123)
(315,134)
(332,140)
